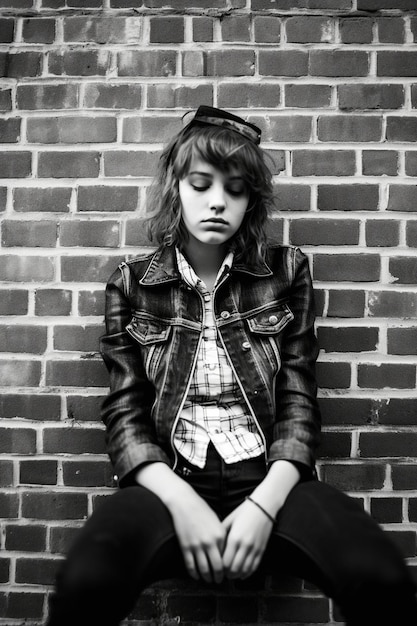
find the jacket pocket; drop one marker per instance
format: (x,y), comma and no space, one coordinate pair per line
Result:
(152,335)
(265,333)
(270,321)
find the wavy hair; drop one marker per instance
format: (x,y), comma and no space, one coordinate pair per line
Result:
(226,150)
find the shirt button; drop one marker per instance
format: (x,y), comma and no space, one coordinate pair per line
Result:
(225,315)
(207,298)
(246,346)
(273,320)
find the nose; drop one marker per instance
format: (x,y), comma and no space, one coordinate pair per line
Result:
(217,198)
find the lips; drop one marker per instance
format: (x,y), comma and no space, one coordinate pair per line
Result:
(215,220)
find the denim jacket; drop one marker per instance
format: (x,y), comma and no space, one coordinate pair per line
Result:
(265,322)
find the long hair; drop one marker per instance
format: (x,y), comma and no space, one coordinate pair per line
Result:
(224,149)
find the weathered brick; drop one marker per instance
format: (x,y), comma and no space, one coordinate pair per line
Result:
(333,375)
(343,411)
(194,63)
(357,477)
(38,97)
(315,232)
(230,63)
(404,476)
(380,162)
(13,302)
(5,99)
(91,302)
(74,440)
(393,63)
(116,96)
(32,234)
(202,607)
(267,29)
(89,234)
(346,303)
(88,474)
(68,164)
(401,129)
(30,538)
(354,197)
(308,96)
(9,503)
(392,304)
(86,373)
(79,62)
(10,130)
(411,234)
(106,198)
(39,472)
(281,5)
(348,339)
(71,130)
(289,128)
(203,29)
(323,163)
(168,95)
(356,29)
(84,408)
(53,302)
(386,510)
(292,197)
(25,605)
(7,26)
(17,440)
(378,5)
(376,96)
(402,340)
(23,338)
(147,63)
(150,129)
(391,29)
(62,538)
(334,445)
(248,95)
(6,473)
(4,578)
(394,376)
(310,29)
(136,234)
(29,406)
(347,267)
(283,63)
(349,128)
(26,268)
(36,571)
(301,609)
(166,29)
(405,540)
(402,198)
(382,233)
(21,65)
(404,270)
(38,30)
(235,28)
(41,200)
(387,444)
(124,163)
(103,30)
(96,269)
(411,163)
(339,63)
(54,505)
(77,338)
(15,164)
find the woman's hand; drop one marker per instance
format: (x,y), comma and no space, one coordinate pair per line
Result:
(248,531)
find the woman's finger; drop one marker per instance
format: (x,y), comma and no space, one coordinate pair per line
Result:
(203,565)
(216,564)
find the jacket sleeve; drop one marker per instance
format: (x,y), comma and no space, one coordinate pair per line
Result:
(297,427)
(126,411)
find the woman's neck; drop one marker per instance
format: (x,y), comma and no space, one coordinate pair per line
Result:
(205,259)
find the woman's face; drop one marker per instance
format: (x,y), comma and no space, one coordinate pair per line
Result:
(213,203)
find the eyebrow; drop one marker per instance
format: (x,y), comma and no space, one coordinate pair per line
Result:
(208,175)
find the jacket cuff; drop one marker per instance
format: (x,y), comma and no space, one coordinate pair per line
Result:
(132,460)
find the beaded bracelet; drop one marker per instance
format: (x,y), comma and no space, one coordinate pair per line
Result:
(269,516)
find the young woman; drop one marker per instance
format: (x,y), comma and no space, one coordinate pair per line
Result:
(212,420)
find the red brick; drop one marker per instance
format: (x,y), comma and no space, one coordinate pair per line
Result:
(387,444)
(17,440)
(74,440)
(380,162)
(378,5)
(84,408)
(310,29)
(39,472)
(103,30)
(176,4)
(404,477)
(54,506)
(413,96)
(77,338)
(96,269)
(376,96)
(401,129)
(6,473)
(88,474)
(292,197)
(348,197)
(194,63)
(53,302)
(136,233)
(405,540)
(291,128)
(5,99)
(85,373)
(79,63)
(15,164)
(124,163)
(168,95)
(358,477)
(26,604)
(275,230)
(22,65)
(150,129)
(308,96)
(343,411)
(402,198)
(38,30)
(28,406)
(393,63)
(349,128)
(334,445)
(346,303)
(315,232)
(347,267)
(13,302)
(36,571)
(38,200)
(106,198)
(235,28)
(23,338)
(324,163)
(147,63)
(31,234)
(38,97)
(402,341)
(116,96)
(10,130)
(282,5)
(348,339)
(6,30)
(411,234)
(71,130)
(394,376)
(166,30)
(386,510)
(89,234)
(356,30)
(203,29)
(267,29)
(410,163)
(404,270)
(3,198)
(339,63)
(248,95)
(26,268)
(30,538)
(9,503)
(382,233)
(4,578)
(391,29)
(68,164)
(91,302)
(392,304)
(283,63)
(62,538)
(333,375)
(230,63)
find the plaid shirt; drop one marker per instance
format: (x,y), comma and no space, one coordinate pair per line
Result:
(214,408)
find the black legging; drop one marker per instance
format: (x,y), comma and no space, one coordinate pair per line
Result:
(320,534)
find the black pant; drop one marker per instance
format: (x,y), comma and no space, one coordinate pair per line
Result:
(320,535)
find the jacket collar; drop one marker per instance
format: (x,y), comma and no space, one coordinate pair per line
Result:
(163,268)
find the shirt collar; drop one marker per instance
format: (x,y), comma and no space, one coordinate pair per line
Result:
(189,275)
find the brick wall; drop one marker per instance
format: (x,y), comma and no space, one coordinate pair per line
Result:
(89,92)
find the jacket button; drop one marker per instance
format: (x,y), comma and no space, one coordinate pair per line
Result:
(273,320)
(246,346)
(225,315)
